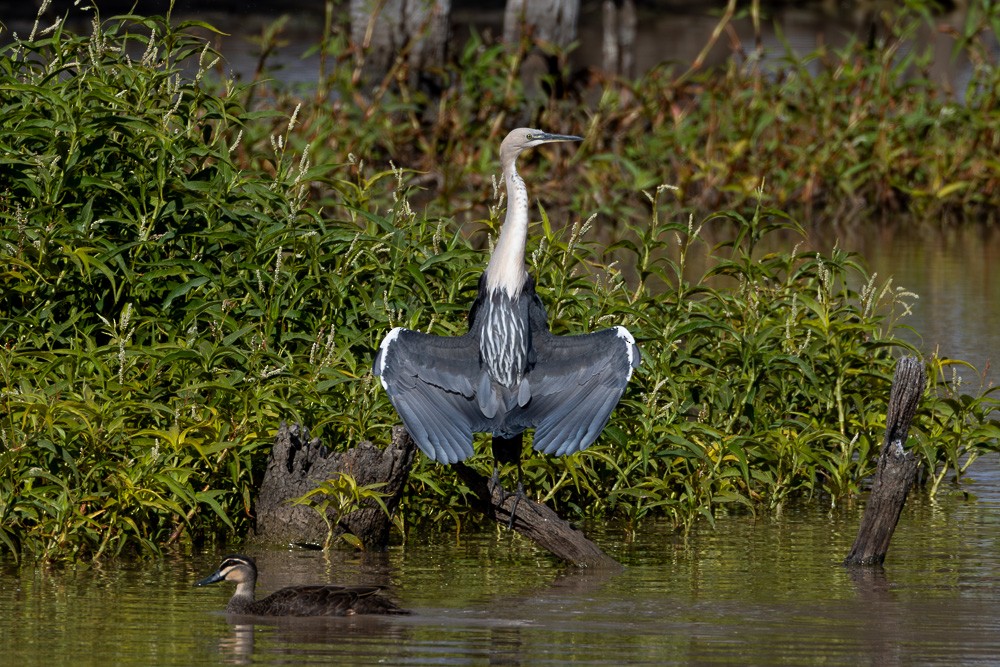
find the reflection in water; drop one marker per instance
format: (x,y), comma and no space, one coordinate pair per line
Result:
(252,639)
(237,649)
(880,633)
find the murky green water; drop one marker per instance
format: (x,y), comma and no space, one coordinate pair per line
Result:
(749,592)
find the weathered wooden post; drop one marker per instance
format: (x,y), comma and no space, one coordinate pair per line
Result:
(896,468)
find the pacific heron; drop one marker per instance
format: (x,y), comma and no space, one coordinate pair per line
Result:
(509,372)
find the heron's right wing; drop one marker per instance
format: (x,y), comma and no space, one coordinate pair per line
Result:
(429,380)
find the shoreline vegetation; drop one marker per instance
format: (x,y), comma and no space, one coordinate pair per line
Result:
(186,262)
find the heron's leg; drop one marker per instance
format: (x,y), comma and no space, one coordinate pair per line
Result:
(508,450)
(495,484)
(517,497)
(495,477)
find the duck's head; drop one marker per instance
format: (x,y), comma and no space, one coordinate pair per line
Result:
(235,568)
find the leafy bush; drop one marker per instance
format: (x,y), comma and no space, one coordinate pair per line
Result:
(141,270)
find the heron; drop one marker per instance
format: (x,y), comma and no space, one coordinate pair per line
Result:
(508,373)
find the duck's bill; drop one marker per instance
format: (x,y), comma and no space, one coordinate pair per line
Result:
(213,578)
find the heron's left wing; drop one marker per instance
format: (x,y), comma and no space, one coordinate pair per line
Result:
(575,383)
(429,380)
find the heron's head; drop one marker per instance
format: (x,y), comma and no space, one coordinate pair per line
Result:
(525,137)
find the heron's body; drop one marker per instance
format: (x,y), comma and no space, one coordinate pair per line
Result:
(325,600)
(509,372)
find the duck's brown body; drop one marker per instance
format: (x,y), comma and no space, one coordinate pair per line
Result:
(328,600)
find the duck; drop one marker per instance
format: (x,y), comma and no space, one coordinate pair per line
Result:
(321,600)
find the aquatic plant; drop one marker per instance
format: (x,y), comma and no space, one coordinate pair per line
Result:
(342,495)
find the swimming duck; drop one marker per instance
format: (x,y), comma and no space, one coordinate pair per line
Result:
(296,600)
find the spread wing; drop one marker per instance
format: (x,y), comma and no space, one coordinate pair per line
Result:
(575,383)
(429,380)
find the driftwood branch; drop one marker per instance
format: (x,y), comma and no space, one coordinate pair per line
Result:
(535,521)
(896,470)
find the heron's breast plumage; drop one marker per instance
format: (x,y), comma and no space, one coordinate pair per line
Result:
(504,338)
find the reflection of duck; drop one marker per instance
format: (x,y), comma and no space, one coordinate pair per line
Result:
(296,600)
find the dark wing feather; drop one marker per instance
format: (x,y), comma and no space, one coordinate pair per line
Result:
(305,601)
(326,601)
(371,601)
(429,380)
(576,382)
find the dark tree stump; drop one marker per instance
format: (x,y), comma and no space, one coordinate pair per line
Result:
(896,468)
(297,465)
(535,521)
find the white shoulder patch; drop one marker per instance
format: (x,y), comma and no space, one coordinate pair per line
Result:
(630,349)
(384,353)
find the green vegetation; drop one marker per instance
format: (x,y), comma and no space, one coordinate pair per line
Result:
(184,264)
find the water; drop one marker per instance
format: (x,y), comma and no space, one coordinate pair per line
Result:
(764,591)
(956,273)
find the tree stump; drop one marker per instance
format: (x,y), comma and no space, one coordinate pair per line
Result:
(535,521)
(298,465)
(393,31)
(552,21)
(896,468)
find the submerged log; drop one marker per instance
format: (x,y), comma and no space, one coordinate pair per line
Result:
(298,465)
(896,468)
(535,521)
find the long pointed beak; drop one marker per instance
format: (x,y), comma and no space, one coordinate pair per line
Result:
(213,578)
(545,136)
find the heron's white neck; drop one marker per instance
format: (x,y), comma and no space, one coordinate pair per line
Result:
(506,268)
